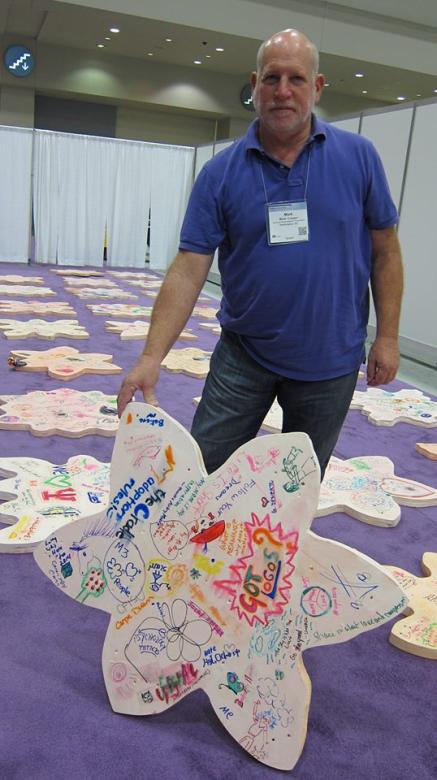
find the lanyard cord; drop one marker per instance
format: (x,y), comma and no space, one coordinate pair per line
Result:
(306,178)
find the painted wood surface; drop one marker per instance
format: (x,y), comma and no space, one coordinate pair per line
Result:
(385,408)
(191,361)
(428,449)
(139,330)
(208,312)
(41,497)
(367,489)
(76,272)
(63,411)
(111,293)
(140,275)
(25,289)
(61,308)
(41,329)
(120,309)
(213,327)
(62,362)
(18,279)
(417,632)
(145,285)
(77,281)
(217,582)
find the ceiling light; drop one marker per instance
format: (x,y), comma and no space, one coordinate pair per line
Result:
(168,40)
(219,48)
(114,29)
(435,90)
(208,56)
(327,84)
(364,91)
(107,39)
(100,45)
(197,62)
(419,94)
(359,75)
(401,97)
(150,53)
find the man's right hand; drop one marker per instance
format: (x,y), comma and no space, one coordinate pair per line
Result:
(143,376)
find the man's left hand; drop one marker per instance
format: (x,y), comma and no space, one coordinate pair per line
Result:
(383,361)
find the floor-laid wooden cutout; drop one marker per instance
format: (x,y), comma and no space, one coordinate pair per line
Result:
(209,312)
(368,489)
(139,330)
(120,309)
(58,308)
(41,497)
(63,411)
(26,289)
(63,362)
(17,279)
(384,408)
(191,361)
(76,272)
(75,281)
(428,449)
(41,329)
(145,285)
(140,275)
(417,633)
(100,292)
(217,582)
(213,327)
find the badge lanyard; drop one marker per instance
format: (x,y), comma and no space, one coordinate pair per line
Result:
(287,221)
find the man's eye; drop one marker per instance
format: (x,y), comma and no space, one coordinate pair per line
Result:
(270,79)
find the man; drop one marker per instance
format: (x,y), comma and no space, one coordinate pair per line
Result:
(303,219)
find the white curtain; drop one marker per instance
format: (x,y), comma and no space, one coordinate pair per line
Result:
(129,213)
(15,193)
(72,196)
(172,176)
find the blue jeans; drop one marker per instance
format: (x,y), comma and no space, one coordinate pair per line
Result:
(239,392)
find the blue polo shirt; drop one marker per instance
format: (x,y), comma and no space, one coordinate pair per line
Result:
(300,309)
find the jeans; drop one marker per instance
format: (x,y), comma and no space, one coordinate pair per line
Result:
(239,392)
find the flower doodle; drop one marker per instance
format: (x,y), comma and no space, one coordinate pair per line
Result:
(265,589)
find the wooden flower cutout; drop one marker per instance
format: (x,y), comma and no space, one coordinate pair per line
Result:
(417,632)
(42,329)
(120,309)
(63,411)
(62,362)
(385,408)
(110,293)
(139,330)
(43,497)
(216,582)
(368,489)
(191,361)
(60,308)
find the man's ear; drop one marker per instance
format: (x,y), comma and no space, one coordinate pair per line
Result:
(253,80)
(319,83)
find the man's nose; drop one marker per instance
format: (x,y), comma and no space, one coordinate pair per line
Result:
(283,88)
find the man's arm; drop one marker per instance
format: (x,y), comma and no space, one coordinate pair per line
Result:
(387,286)
(173,306)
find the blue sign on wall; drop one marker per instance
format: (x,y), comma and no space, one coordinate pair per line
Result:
(19,60)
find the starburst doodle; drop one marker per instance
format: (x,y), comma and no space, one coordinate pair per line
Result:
(217,582)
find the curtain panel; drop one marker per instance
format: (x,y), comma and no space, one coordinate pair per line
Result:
(15,193)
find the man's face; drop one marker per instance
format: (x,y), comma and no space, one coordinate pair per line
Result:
(286,89)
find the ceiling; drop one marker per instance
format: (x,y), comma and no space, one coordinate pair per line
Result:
(74,26)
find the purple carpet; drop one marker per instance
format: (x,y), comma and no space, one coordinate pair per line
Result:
(373,711)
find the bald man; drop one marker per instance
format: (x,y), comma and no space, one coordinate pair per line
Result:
(302,216)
